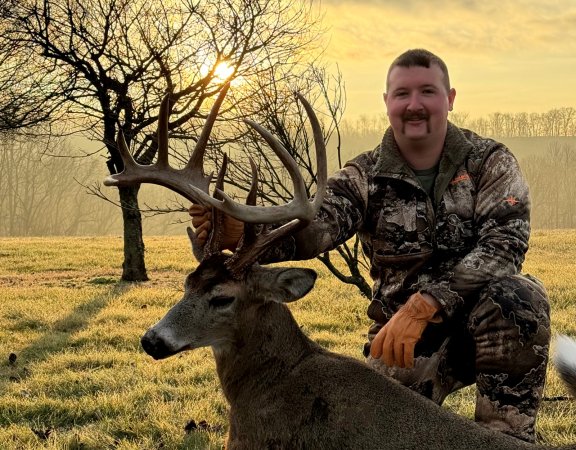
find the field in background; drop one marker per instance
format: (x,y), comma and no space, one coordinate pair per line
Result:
(73,376)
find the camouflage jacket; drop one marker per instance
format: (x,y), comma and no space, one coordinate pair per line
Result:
(475,229)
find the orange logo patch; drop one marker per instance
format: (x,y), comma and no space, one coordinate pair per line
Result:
(511,200)
(460,178)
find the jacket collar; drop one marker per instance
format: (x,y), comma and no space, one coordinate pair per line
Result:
(391,163)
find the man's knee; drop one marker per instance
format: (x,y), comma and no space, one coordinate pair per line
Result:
(511,322)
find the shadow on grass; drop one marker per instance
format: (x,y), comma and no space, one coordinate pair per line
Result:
(59,335)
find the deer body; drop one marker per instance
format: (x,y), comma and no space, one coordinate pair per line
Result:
(287,392)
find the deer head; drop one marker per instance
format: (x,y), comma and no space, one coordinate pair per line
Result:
(225,285)
(216,304)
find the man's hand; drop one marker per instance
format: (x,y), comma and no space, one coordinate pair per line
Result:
(232,229)
(395,342)
(201,221)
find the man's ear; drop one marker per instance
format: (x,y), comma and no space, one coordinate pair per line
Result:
(451,97)
(285,285)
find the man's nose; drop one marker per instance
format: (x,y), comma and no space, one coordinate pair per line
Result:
(414,102)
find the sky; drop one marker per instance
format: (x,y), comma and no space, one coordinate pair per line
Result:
(502,55)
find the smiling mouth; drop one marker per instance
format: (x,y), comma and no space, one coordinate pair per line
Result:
(418,121)
(415,119)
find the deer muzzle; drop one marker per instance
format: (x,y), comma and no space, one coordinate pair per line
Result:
(157,346)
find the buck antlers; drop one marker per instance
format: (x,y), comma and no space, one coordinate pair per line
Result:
(193,184)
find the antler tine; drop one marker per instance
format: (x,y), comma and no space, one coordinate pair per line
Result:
(300,194)
(188,181)
(321,162)
(162,133)
(249,228)
(122,147)
(251,197)
(195,162)
(299,207)
(215,237)
(131,170)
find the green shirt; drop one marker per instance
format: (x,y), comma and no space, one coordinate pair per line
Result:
(427,178)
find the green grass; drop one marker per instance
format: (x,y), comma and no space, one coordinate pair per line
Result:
(81,381)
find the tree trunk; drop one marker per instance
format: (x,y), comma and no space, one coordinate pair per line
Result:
(133,267)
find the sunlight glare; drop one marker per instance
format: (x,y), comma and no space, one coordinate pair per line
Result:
(222,71)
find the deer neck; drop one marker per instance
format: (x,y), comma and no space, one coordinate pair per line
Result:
(267,344)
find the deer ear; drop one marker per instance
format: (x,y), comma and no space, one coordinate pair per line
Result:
(197,250)
(292,284)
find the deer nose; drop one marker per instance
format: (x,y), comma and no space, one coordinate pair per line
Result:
(154,345)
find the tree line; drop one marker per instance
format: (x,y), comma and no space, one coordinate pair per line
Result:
(555,122)
(47,192)
(552,123)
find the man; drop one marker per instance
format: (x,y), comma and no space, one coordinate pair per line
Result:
(443,215)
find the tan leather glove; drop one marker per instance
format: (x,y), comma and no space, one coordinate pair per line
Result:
(395,342)
(202,222)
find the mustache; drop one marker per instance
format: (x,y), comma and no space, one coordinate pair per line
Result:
(415,115)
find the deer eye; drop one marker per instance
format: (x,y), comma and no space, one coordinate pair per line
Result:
(220,301)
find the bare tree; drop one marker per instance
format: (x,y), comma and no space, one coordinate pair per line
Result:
(101,66)
(459,118)
(567,121)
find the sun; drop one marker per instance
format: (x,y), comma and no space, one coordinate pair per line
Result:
(221,72)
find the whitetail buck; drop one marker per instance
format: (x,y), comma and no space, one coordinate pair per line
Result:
(284,390)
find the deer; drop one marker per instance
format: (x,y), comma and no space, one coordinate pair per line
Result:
(284,390)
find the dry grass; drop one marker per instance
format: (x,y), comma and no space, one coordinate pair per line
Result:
(81,381)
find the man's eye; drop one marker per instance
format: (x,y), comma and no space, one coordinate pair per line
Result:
(220,301)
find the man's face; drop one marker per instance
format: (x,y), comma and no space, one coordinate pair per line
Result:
(418,103)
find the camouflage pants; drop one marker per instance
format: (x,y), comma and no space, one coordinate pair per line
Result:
(501,345)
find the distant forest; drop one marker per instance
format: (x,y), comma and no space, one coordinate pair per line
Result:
(44,193)
(553,123)
(557,122)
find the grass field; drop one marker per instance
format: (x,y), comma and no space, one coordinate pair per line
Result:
(72,374)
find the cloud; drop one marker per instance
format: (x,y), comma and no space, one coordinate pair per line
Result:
(367,29)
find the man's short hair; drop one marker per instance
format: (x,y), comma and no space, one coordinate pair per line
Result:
(419,57)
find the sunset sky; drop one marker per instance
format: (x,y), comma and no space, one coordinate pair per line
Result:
(503,56)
